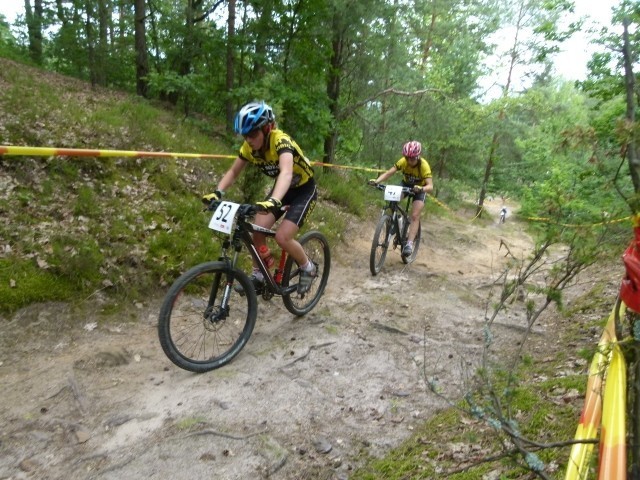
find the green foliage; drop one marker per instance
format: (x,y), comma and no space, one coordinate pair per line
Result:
(9,47)
(344,189)
(23,283)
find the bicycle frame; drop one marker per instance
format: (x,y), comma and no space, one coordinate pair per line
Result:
(242,236)
(395,209)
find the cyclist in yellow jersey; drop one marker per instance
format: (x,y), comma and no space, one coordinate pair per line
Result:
(416,174)
(278,156)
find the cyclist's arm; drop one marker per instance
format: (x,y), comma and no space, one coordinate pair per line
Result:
(428,187)
(232,174)
(283,182)
(386,174)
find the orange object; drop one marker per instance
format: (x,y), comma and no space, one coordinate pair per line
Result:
(266,256)
(612,464)
(592,411)
(630,287)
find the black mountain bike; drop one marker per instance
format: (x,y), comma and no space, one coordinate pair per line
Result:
(204,321)
(393,227)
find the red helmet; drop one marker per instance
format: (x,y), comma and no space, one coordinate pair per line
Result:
(412,149)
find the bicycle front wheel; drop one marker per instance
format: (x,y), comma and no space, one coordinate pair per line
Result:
(317,249)
(199,331)
(416,244)
(380,244)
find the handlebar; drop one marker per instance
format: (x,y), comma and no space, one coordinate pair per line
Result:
(245,210)
(405,190)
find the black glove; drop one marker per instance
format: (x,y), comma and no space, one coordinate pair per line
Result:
(269,204)
(417,189)
(212,197)
(372,182)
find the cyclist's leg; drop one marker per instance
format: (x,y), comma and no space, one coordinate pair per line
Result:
(265,220)
(416,210)
(301,202)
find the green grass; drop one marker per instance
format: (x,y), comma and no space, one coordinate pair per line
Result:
(22,283)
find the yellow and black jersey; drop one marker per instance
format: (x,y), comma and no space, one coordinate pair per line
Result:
(414,175)
(268,162)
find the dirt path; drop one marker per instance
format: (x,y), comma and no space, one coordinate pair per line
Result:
(96,398)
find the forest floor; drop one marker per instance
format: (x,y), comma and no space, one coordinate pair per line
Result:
(87,395)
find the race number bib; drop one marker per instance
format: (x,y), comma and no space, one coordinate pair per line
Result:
(393,193)
(223,217)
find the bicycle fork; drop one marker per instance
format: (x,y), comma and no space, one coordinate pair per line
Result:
(221,312)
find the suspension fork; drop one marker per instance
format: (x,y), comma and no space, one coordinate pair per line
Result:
(228,282)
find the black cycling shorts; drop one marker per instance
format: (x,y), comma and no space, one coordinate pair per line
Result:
(416,196)
(301,201)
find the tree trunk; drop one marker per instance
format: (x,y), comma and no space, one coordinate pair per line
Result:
(34,28)
(142,60)
(104,21)
(265,24)
(495,140)
(632,154)
(634,169)
(91,42)
(333,87)
(231,33)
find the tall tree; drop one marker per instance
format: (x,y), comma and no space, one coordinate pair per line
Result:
(34,19)
(535,35)
(103,43)
(231,29)
(142,59)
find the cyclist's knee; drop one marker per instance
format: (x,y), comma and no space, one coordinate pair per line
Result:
(284,237)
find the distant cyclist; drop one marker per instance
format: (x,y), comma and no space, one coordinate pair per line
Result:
(417,175)
(278,156)
(503,214)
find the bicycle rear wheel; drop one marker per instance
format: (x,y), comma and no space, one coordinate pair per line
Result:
(195,332)
(380,244)
(416,243)
(317,249)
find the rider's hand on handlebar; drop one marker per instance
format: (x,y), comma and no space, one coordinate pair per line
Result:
(211,197)
(417,189)
(269,204)
(373,182)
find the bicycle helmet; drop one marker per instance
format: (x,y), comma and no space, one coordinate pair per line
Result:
(412,149)
(252,116)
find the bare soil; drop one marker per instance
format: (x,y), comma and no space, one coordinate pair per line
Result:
(87,395)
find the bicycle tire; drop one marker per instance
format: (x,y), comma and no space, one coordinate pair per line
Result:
(189,335)
(380,244)
(317,249)
(416,243)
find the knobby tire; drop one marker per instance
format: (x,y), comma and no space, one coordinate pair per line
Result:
(416,242)
(191,334)
(317,249)
(380,244)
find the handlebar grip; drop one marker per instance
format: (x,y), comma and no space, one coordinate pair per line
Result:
(213,204)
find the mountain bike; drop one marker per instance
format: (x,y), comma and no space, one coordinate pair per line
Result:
(204,321)
(393,227)
(503,215)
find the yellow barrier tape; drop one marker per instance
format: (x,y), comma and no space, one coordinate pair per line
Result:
(332,165)
(591,415)
(437,202)
(78,152)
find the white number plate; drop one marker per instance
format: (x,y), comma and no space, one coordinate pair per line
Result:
(393,193)
(223,217)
